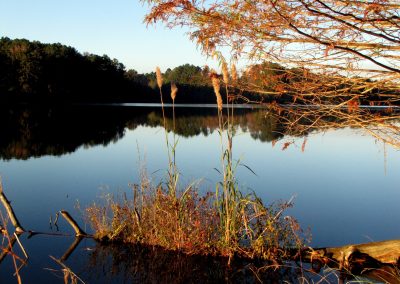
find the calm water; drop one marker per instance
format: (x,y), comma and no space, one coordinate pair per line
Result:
(346,183)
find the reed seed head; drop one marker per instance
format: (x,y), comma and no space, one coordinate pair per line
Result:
(174,90)
(225,73)
(219,102)
(216,86)
(234,73)
(159,77)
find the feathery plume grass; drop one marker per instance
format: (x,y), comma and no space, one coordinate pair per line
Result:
(216,86)
(171,167)
(234,73)
(173,172)
(174,91)
(159,77)
(225,73)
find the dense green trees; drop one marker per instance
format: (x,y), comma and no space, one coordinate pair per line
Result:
(31,71)
(37,71)
(188,74)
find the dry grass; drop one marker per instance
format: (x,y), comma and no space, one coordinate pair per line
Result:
(191,223)
(155,217)
(225,222)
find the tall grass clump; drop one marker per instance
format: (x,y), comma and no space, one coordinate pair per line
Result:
(173,174)
(227,222)
(246,224)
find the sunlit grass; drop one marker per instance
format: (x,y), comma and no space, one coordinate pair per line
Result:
(226,222)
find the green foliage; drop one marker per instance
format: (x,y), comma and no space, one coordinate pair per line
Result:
(136,78)
(36,71)
(187,74)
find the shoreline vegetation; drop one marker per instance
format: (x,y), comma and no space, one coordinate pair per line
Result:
(226,223)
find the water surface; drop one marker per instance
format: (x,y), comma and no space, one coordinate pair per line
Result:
(345,182)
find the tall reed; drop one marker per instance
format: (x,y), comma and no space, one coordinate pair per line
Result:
(171,149)
(174,91)
(227,192)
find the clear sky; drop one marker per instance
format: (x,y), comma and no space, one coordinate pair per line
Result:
(101,27)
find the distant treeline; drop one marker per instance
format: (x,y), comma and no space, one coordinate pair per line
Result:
(31,71)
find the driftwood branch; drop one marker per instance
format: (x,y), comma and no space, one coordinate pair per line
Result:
(73,223)
(18,227)
(10,211)
(375,260)
(384,252)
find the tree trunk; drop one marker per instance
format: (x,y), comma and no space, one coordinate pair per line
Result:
(376,260)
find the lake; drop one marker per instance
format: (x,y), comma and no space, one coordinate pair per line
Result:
(345,181)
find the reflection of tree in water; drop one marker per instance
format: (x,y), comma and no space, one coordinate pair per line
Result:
(261,125)
(37,131)
(34,131)
(380,123)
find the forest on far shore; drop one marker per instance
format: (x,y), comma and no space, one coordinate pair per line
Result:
(31,71)
(35,72)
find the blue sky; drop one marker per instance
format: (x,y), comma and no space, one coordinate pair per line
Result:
(102,27)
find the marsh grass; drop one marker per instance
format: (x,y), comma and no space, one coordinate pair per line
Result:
(226,222)
(153,217)
(173,174)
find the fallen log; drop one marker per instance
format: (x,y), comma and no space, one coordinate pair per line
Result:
(384,252)
(375,260)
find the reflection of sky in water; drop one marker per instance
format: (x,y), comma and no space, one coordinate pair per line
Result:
(342,191)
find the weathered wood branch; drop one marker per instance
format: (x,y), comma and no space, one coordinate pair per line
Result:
(376,260)
(384,252)
(10,211)
(72,222)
